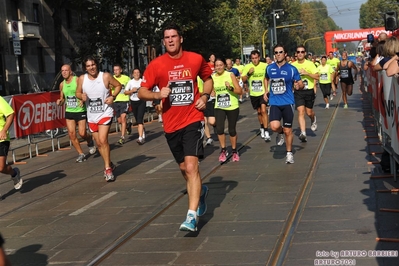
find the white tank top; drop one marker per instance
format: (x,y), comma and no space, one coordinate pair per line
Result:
(96,95)
(133,84)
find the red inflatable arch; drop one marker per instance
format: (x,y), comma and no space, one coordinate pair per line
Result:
(331,37)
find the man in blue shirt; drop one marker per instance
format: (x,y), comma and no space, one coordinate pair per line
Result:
(281,79)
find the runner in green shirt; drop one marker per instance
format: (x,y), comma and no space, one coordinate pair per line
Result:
(121,103)
(254,73)
(6,119)
(75,113)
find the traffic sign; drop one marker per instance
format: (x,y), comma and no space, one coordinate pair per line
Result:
(15,30)
(17,47)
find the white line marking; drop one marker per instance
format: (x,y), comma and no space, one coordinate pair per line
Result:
(159,167)
(242,120)
(94,203)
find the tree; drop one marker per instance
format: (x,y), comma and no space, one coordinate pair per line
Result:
(372,13)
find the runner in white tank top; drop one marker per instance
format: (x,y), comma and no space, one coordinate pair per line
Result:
(97,93)
(93,89)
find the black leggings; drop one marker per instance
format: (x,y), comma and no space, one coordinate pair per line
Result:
(232,117)
(138,108)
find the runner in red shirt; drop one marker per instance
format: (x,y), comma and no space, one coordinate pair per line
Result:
(175,73)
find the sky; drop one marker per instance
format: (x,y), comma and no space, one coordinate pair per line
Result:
(345,13)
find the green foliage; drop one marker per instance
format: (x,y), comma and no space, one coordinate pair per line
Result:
(372,12)
(221,27)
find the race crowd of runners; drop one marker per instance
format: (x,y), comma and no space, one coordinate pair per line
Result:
(193,98)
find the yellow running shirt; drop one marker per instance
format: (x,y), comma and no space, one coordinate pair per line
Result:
(325,73)
(256,80)
(309,67)
(122,97)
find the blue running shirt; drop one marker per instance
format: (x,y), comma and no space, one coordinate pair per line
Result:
(281,81)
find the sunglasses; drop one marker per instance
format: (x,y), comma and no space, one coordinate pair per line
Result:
(278,52)
(300,52)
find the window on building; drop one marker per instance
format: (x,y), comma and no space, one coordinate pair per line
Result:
(36,13)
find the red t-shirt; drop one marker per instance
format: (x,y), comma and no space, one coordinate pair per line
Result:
(212,66)
(178,110)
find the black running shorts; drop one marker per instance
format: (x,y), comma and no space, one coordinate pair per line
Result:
(286,112)
(4,147)
(120,108)
(187,141)
(257,101)
(305,98)
(76,116)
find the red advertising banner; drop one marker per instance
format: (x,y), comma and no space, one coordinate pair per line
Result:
(37,112)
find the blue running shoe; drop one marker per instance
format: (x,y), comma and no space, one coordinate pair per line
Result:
(202,207)
(190,224)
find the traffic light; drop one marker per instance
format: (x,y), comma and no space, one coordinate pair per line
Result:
(391,21)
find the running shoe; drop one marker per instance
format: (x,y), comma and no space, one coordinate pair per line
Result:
(17,179)
(236,157)
(209,141)
(190,224)
(289,158)
(223,156)
(92,147)
(81,158)
(140,141)
(327,106)
(121,141)
(345,106)
(302,137)
(313,126)
(331,97)
(202,206)
(262,133)
(280,139)
(109,175)
(129,128)
(267,137)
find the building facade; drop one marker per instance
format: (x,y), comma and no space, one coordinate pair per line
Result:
(28,58)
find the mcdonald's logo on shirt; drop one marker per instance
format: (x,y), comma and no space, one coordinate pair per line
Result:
(180,74)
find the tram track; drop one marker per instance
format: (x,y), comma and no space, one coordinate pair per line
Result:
(54,192)
(281,247)
(120,241)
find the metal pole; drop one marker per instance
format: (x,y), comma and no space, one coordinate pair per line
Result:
(271,41)
(239,25)
(19,78)
(274,27)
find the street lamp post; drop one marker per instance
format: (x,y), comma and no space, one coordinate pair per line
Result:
(278,27)
(275,14)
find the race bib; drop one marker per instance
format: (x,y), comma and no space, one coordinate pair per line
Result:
(223,101)
(122,90)
(305,84)
(344,73)
(72,101)
(256,86)
(182,92)
(323,76)
(95,106)
(277,86)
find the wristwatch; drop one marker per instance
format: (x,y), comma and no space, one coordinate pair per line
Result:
(207,95)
